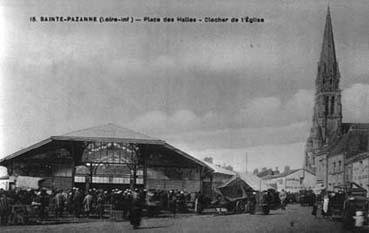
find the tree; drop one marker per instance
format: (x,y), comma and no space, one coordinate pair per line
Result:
(286,169)
(208,159)
(228,167)
(256,171)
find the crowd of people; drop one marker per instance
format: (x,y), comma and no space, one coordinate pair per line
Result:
(16,206)
(329,205)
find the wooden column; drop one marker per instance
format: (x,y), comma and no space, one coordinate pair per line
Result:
(145,156)
(73,164)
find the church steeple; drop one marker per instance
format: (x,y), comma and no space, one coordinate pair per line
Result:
(328,52)
(328,72)
(327,118)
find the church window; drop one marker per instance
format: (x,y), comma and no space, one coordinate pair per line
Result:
(332,105)
(334,166)
(326,104)
(339,165)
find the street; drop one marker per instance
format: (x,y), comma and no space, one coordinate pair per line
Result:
(294,219)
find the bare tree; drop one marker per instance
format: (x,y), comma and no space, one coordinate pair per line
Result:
(209,159)
(228,167)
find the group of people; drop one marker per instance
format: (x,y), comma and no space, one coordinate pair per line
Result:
(44,203)
(327,202)
(339,203)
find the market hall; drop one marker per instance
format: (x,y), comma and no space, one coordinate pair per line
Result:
(106,157)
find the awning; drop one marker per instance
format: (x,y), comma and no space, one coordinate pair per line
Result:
(26,182)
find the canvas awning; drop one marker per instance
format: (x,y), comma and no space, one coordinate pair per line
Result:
(27,182)
(238,186)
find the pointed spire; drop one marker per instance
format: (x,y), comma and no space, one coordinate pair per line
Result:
(328,53)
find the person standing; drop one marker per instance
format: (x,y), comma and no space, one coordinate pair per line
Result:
(77,203)
(59,203)
(44,203)
(136,209)
(283,197)
(100,205)
(87,204)
(4,208)
(173,203)
(315,205)
(325,205)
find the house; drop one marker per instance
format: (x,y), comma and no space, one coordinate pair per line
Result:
(292,181)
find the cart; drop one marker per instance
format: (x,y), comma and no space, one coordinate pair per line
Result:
(246,194)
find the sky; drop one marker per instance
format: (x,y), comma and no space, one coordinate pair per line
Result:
(211,89)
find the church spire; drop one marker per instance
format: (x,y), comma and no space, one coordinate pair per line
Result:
(328,52)
(328,73)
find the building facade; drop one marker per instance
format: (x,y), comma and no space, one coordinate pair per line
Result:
(358,170)
(292,181)
(335,170)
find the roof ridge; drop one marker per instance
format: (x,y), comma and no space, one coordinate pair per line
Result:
(104,126)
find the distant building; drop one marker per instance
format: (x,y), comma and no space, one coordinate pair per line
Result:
(292,181)
(267,172)
(332,143)
(357,170)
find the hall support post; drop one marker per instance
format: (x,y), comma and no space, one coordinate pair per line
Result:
(201,180)
(211,185)
(91,175)
(73,165)
(145,156)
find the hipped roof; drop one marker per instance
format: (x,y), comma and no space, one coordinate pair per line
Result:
(106,133)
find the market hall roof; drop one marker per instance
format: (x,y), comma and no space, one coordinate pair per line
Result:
(104,133)
(220,170)
(108,132)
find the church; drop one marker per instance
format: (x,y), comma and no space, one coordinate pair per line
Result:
(333,146)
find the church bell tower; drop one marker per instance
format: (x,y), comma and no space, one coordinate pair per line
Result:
(327,118)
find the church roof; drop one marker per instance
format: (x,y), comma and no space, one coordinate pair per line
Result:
(353,142)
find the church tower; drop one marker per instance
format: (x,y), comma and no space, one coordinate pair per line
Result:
(327,118)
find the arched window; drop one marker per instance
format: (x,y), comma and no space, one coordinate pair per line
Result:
(109,152)
(326,102)
(332,105)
